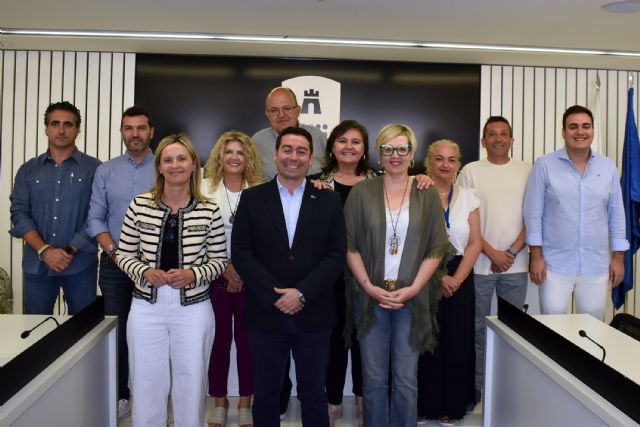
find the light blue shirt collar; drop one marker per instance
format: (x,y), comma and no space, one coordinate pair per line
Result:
(148,157)
(291,206)
(282,187)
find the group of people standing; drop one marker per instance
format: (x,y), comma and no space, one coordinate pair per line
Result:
(397,269)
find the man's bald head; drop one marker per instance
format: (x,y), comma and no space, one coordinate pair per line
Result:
(282,108)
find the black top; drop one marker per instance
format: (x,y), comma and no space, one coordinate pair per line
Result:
(169,251)
(343,190)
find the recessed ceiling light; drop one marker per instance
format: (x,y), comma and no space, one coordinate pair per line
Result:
(625,6)
(287,39)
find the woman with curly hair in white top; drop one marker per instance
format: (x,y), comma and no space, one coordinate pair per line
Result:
(233,165)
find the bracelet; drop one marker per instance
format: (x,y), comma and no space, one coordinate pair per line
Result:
(42,250)
(511,251)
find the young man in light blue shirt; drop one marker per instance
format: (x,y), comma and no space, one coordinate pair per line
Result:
(574,217)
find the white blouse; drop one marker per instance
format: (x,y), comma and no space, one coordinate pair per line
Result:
(392,262)
(229,207)
(465,203)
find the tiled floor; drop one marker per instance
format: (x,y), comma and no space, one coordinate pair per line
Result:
(348,417)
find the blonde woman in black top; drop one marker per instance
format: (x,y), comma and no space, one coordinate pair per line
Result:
(172,246)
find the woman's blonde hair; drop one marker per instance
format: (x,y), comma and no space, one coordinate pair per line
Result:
(194,182)
(396,129)
(431,151)
(214,170)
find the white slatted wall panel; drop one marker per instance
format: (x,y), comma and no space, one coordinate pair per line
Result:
(101,85)
(534,98)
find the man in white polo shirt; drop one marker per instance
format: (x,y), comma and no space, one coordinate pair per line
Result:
(503,265)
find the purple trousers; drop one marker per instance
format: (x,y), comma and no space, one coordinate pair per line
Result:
(228,309)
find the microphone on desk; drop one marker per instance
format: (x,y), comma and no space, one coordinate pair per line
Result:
(583,334)
(26,333)
(525,308)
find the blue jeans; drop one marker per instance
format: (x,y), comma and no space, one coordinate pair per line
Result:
(511,287)
(269,353)
(117,290)
(40,291)
(388,339)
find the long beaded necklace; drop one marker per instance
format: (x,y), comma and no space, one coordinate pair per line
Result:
(233,211)
(394,240)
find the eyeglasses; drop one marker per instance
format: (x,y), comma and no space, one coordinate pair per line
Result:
(402,150)
(274,111)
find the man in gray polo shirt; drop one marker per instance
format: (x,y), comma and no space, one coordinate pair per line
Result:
(282,111)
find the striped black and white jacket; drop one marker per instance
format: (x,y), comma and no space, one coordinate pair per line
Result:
(201,245)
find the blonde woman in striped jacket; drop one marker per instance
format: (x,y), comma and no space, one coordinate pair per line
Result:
(172,246)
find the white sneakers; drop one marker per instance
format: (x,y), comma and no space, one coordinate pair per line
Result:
(124,408)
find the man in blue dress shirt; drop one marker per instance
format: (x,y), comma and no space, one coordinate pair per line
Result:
(115,184)
(574,219)
(49,206)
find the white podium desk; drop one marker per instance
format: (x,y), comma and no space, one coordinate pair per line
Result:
(524,387)
(76,389)
(12,325)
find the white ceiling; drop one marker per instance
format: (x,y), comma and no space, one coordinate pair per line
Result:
(545,23)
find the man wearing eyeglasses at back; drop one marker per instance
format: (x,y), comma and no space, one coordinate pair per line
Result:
(282,111)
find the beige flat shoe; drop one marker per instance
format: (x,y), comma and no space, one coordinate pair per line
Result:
(359,412)
(334,413)
(218,416)
(245,417)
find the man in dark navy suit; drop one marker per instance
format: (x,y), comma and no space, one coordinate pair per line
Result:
(289,246)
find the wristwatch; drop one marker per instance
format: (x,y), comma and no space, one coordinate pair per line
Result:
(111,252)
(301,298)
(512,252)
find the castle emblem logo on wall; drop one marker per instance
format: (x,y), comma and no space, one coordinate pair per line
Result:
(319,99)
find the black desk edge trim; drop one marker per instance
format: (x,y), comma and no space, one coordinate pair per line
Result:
(619,390)
(23,368)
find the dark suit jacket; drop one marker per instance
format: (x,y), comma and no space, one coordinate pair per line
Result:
(260,253)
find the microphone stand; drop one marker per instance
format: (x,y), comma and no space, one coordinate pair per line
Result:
(583,334)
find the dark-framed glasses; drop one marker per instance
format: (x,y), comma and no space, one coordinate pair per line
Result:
(402,150)
(274,111)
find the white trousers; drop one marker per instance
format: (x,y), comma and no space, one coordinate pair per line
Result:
(169,349)
(555,293)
